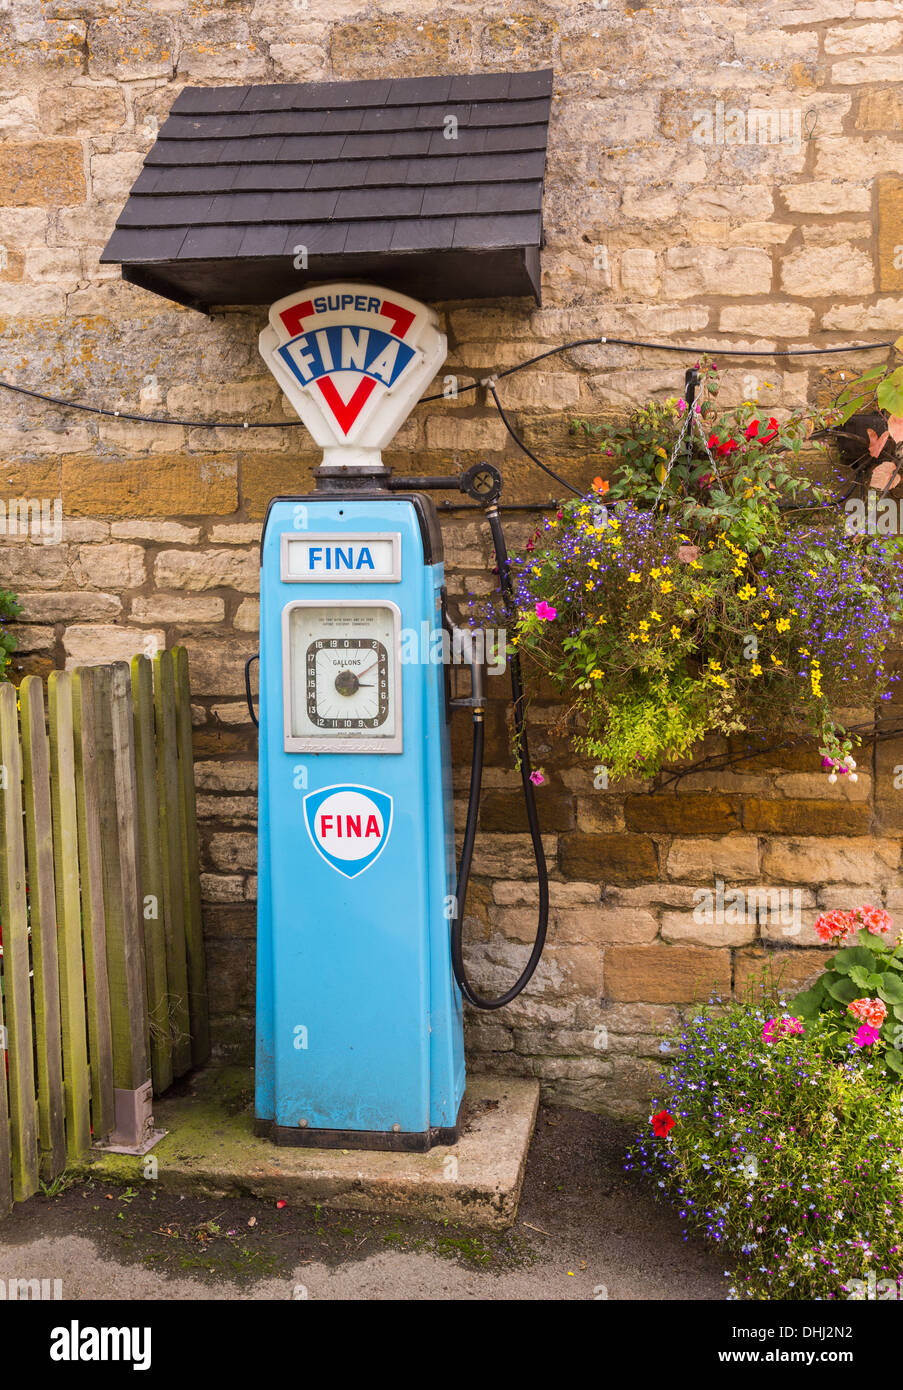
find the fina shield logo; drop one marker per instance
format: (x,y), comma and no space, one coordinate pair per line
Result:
(352,359)
(348,826)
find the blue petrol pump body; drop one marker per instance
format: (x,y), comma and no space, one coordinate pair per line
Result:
(358,1013)
(360,971)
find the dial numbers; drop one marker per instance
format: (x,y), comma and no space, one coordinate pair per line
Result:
(347,683)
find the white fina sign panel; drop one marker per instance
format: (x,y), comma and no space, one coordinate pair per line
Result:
(353,361)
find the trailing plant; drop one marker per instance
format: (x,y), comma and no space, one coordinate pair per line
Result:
(711,587)
(781,1151)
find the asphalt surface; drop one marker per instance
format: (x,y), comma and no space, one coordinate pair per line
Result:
(586,1230)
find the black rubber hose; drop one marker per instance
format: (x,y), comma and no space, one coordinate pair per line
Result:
(473,808)
(248,695)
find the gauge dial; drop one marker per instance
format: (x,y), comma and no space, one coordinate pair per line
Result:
(342,665)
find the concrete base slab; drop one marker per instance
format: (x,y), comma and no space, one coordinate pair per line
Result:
(210,1148)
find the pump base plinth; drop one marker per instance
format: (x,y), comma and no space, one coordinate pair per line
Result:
(383,1141)
(211,1150)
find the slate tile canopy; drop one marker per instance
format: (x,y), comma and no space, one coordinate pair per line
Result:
(362,174)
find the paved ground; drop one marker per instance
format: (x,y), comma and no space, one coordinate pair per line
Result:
(585,1229)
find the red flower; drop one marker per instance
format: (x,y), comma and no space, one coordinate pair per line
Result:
(713,441)
(772,431)
(752,429)
(662,1123)
(728,447)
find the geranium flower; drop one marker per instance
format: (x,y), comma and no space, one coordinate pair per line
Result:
(870,1011)
(662,1122)
(874,919)
(865,1036)
(834,926)
(546,611)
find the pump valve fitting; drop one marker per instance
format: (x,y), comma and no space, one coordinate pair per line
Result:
(482,482)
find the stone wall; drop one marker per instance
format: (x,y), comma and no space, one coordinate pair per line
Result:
(651,233)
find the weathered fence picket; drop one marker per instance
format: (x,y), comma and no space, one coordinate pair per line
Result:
(16,957)
(102,972)
(171,851)
(94,935)
(76,1077)
(191,881)
(151,874)
(42,900)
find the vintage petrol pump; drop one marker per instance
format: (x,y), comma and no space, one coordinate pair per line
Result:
(359,963)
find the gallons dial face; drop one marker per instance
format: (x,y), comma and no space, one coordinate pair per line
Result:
(343,670)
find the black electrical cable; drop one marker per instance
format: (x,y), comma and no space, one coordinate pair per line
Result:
(480,1001)
(472,386)
(521,445)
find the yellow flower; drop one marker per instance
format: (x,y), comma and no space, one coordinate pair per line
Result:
(755,669)
(644,626)
(656,617)
(675,631)
(695,564)
(714,665)
(766,612)
(666,586)
(782,624)
(633,577)
(601,620)
(747,592)
(593,564)
(590,585)
(644,637)
(655,573)
(667,569)
(769,591)
(596,675)
(775,660)
(719,680)
(631,637)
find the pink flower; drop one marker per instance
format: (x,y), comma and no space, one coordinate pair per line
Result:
(546,611)
(874,919)
(870,1011)
(835,926)
(865,1036)
(784,1027)
(537,777)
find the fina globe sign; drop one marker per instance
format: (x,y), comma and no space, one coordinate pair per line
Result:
(353,361)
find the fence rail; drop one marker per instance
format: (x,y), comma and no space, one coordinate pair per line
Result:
(102,974)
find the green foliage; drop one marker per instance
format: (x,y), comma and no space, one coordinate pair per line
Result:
(784,1154)
(9,610)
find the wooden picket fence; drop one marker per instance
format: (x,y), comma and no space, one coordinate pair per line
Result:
(103,975)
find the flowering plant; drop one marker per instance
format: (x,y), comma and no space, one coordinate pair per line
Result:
(860,994)
(783,1154)
(9,609)
(688,597)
